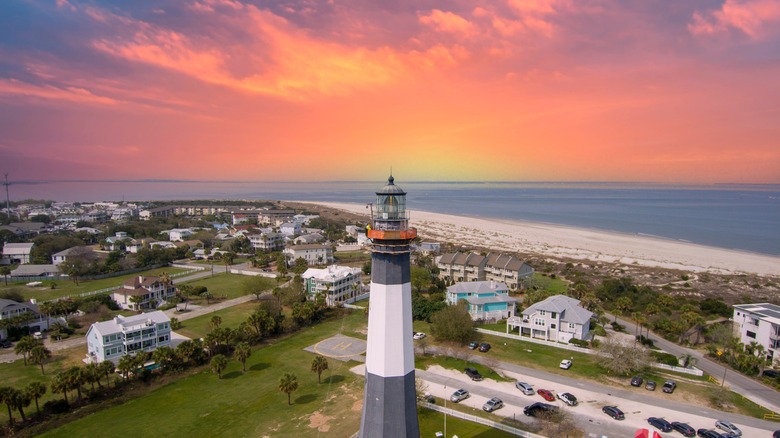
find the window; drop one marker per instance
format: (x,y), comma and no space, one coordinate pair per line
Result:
(553,315)
(539,322)
(750,334)
(552,326)
(542,313)
(571,326)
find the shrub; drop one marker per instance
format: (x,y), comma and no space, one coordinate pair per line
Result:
(617,327)
(57,406)
(665,358)
(578,342)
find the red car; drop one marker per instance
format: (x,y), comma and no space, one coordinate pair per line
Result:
(547,395)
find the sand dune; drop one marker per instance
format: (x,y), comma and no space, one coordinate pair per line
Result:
(582,244)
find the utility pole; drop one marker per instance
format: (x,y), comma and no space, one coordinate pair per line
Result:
(7,199)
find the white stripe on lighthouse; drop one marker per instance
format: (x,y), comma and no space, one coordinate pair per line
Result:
(390,320)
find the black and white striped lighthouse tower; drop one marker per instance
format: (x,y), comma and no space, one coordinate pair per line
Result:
(389,403)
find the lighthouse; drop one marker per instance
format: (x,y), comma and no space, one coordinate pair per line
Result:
(389,402)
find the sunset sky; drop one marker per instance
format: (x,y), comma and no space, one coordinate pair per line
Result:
(506,90)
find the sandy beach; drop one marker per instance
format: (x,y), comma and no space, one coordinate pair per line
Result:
(581,244)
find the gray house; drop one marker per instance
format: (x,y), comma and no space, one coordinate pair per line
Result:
(558,318)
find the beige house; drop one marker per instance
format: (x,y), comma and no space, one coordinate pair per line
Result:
(458,267)
(152,291)
(508,269)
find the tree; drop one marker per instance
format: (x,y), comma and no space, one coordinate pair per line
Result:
(243,351)
(166,357)
(287,384)
(228,258)
(622,359)
(126,365)
(75,377)
(318,365)
(60,385)
(79,262)
(35,390)
(107,367)
(6,396)
(215,322)
(38,356)
(218,364)
(207,295)
(453,323)
(19,400)
(256,285)
(622,305)
(420,278)
(24,346)
(5,271)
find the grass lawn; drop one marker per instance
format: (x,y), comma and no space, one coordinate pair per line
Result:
(552,284)
(247,404)
(231,317)
(432,422)
(423,362)
(221,285)
(68,287)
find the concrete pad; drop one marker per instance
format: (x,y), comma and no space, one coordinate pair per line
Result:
(340,347)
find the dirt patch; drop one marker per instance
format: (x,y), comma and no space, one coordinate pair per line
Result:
(319,421)
(357,406)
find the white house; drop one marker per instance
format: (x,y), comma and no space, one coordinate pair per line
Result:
(339,283)
(308,239)
(10,309)
(59,257)
(759,323)
(290,228)
(313,254)
(16,253)
(486,299)
(110,340)
(179,234)
(267,241)
(152,291)
(558,318)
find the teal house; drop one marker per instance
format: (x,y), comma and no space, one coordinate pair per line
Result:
(486,299)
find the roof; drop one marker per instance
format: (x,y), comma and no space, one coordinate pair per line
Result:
(390,188)
(6,303)
(140,281)
(462,259)
(480,287)
(17,248)
(65,252)
(504,261)
(568,307)
(311,246)
(119,322)
(767,311)
(331,273)
(34,270)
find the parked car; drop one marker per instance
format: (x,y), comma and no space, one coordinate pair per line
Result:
(613,412)
(636,381)
(539,408)
(684,429)
(776,434)
(6,344)
(546,394)
(492,404)
(660,424)
(473,374)
(427,397)
(473,345)
(459,395)
(669,387)
(650,386)
(771,374)
(418,335)
(706,433)
(525,388)
(484,347)
(565,364)
(567,398)
(728,427)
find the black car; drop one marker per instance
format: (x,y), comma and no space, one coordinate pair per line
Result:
(613,412)
(473,374)
(473,345)
(484,347)
(771,374)
(707,433)
(539,408)
(776,434)
(636,381)
(660,423)
(669,387)
(684,429)
(6,344)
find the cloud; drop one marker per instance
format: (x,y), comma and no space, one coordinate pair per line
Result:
(15,87)
(751,17)
(448,22)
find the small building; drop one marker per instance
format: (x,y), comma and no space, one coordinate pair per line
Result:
(558,318)
(759,323)
(110,340)
(59,257)
(509,269)
(165,211)
(10,309)
(290,228)
(151,290)
(267,241)
(308,239)
(16,253)
(179,234)
(486,299)
(458,267)
(36,271)
(338,283)
(313,254)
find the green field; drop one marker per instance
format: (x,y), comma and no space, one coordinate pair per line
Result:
(231,317)
(221,285)
(65,288)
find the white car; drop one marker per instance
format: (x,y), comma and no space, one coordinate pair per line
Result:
(459,395)
(565,364)
(728,427)
(419,335)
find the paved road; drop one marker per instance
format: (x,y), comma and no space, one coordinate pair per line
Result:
(751,389)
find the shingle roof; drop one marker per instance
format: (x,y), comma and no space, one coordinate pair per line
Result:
(568,307)
(34,270)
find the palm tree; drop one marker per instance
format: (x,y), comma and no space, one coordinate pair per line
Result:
(5,271)
(287,384)
(126,365)
(6,396)
(107,367)
(38,355)
(36,390)
(24,346)
(227,258)
(318,365)
(207,295)
(91,375)
(19,401)
(243,351)
(215,322)
(75,377)
(60,385)
(218,364)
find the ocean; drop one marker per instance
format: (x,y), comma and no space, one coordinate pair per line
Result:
(733,216)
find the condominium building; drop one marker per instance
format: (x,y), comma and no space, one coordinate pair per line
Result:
(338,283)
(759,323)
(110,340)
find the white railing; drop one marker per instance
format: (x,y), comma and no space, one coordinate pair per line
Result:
(693,370)
(537,341)
(193,267)
(480,420)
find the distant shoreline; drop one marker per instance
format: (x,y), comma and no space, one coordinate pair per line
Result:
(580,243)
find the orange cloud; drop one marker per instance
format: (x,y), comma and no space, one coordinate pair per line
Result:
(448,22)
(72,94)
(752,17)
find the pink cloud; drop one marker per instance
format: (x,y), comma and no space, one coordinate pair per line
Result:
(448,22)
(752,17)
(14,87)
